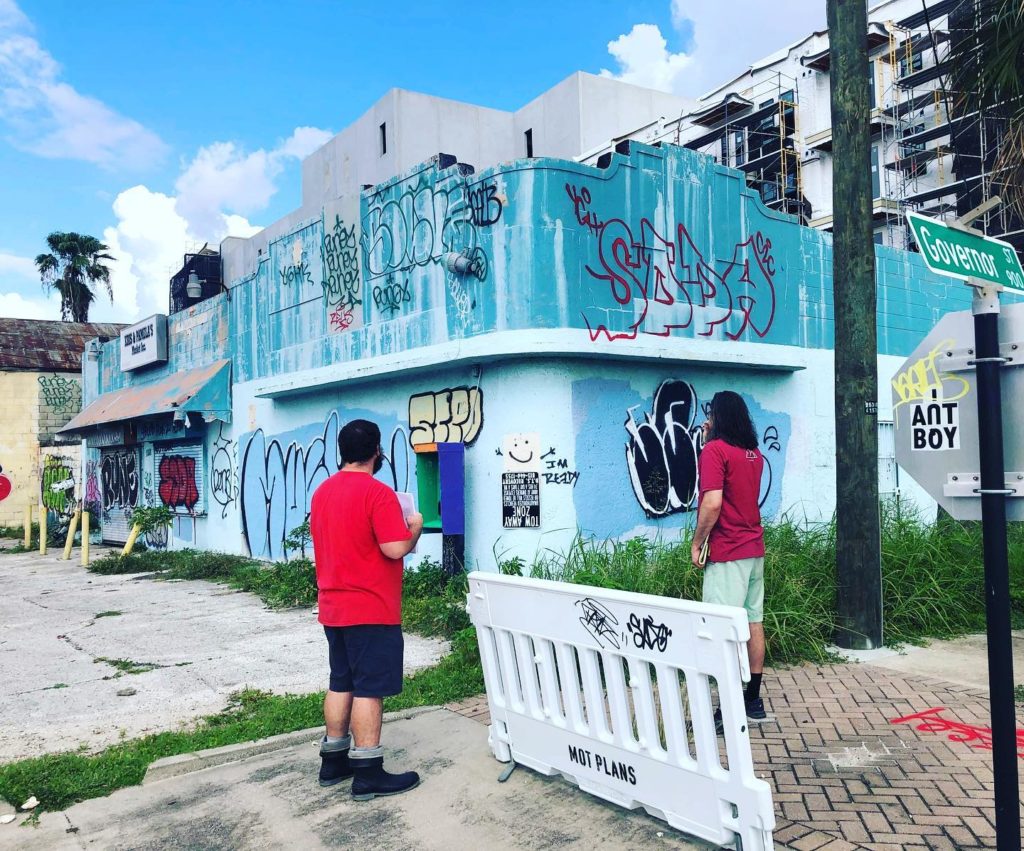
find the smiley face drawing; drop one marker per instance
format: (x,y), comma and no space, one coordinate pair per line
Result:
(521,452)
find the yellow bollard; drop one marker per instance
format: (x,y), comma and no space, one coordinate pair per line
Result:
(42,530)
(130,543)
(28,525)
(85,539)
(71,535)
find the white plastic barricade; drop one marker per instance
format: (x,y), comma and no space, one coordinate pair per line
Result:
(613,690)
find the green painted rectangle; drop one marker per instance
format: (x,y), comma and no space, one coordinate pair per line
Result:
(949,251)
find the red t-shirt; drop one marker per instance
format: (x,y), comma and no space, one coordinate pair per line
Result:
(736,472)
(352,514)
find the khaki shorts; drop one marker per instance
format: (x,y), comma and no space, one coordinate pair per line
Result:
(737,583)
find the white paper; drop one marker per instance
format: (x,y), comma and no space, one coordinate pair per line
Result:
(408,503)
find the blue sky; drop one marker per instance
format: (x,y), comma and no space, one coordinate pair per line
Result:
(158,125)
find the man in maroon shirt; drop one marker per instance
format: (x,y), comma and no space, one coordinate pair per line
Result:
(729,519)
(359,541)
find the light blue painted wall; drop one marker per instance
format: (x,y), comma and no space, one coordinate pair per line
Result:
(662,241)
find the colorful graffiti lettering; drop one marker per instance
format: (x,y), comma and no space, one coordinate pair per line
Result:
(669,283)
(178,487)
(341,282)
(278,482)
(407,226)
(390,296)
(663,451)
(5,486)
(223,482)
(453,415)
(58,485)
(120,476)
(63,395)
(921,378)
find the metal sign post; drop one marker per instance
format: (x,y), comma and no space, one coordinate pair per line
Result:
(993,491)
(988,265)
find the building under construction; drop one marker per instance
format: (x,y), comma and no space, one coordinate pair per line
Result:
(932,150)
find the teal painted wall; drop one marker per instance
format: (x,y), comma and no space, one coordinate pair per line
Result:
(660,242)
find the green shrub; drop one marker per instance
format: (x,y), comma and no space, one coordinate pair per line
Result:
(433,602)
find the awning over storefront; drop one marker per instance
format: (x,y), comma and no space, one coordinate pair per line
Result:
(205,392)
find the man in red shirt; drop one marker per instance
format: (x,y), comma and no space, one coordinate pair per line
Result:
(729,519)
(359,540)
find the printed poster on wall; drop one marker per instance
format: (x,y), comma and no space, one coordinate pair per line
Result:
(520,500)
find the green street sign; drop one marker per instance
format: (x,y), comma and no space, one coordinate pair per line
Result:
(948,251)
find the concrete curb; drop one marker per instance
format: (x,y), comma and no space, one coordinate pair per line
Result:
(186,763)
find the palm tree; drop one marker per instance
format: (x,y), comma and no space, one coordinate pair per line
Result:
(75,263)
(987,66)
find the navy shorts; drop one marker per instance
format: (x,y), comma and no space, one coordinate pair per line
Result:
(366,659)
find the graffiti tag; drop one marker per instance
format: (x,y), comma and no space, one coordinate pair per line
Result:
(390,296)
(223,482)
(647,635)
(62,394)
(177,486)
(341,283)
(58,485)
(453,415)
(485,205)
(921,378)
(120,476)
(598,620)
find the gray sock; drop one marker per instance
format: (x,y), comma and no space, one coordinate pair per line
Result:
(331,744)
(366,753)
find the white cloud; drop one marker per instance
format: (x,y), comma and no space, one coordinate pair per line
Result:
(644,59)
(724,43)
(19,267)
(48,117)
(17,306)
(215,194)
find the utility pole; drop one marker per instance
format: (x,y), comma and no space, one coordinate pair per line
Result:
(858,533)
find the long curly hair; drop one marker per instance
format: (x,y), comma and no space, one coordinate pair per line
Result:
(730,420)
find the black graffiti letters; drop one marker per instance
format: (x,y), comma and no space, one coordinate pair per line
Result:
(662,451)
(296,274)
(389,297)
(598,621)
(581,208)
(120,476)
(485,204)
(647,635)
(341,266)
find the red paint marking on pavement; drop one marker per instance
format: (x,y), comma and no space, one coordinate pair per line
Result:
(932,722)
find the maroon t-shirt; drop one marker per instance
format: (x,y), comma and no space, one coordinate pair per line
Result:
(736,472)
(352,514)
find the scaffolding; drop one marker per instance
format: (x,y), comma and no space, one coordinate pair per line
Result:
(937,160)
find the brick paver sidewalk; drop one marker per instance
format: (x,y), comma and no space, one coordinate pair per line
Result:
(845,777)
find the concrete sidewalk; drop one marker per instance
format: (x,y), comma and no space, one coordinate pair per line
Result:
(273,801)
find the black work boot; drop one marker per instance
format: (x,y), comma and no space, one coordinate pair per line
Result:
(372,781)
(334,762)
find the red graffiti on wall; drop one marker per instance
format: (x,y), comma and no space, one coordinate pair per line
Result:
(5,486)
(178,482)
(341,319)
(667,282)
(932,722)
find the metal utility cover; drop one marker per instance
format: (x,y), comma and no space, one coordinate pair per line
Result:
(935,409)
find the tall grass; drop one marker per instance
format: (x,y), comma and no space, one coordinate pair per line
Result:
(932,579)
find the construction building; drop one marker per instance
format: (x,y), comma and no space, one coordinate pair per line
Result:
(932,150)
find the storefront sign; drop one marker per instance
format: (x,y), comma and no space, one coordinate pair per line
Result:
(114,435)
(520,500)
(144,343)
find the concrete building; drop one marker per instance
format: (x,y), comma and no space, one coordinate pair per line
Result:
(537,339)
(40,384)
(773,122)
